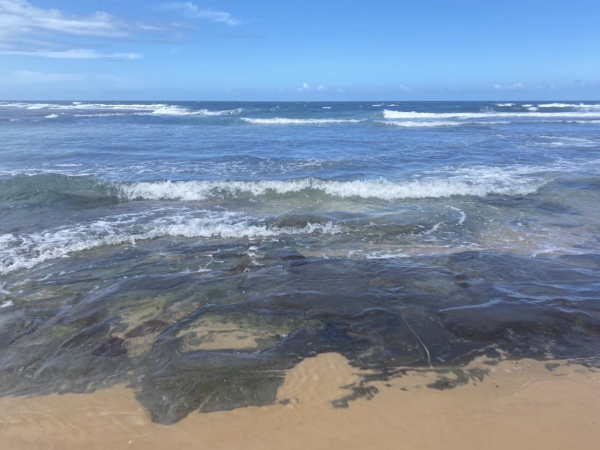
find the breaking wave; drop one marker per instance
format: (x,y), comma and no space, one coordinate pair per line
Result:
(382,189)
(568,105)
(436,123)
(27,250)
(389,114)
(101,109)
(86,191)
(284,121)
(176,111)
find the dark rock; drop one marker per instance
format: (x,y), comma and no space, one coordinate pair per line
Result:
(114,347)
(286,255)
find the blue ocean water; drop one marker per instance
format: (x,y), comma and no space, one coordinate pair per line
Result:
(395,233)
(446,173)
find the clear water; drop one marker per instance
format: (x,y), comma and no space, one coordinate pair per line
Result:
(116,213)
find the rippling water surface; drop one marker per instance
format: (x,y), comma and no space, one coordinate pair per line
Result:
(172,245)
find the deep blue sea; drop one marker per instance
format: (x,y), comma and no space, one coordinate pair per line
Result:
(311,227)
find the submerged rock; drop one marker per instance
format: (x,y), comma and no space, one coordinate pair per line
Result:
(224,339)
(113,347)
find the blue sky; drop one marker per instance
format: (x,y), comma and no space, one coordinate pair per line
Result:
(300,50)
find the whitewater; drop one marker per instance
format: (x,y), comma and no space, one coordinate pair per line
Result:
(357,179)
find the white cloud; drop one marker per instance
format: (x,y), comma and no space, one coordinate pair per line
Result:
(499,87)
(403,87)
(305,87)
(19,17)
(28,30)
(73,54)
(193,11)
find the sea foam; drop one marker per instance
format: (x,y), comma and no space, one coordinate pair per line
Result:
(135,108)
(416,124)
(27,250)
(569,105)
(285,121)
(433,187)
(389,114)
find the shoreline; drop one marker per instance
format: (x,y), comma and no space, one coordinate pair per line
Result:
(518,404)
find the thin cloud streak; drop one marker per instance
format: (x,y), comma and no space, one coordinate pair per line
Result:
(499,87)
(74,54)
(212,15)
(31,77)
(19,17)
(27,30)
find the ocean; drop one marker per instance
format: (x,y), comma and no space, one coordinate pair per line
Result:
(197,251)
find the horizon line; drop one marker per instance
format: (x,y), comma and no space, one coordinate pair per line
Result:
(294,101)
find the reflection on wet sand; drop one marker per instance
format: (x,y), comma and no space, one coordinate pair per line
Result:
(519,404)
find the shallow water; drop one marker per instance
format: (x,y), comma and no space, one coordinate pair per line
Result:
(197,251)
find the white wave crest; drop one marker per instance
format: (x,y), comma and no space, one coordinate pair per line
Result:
(28,250)
(153,108)
(437,123)
(432,187)
(100,115)
(51,116)
(389,114)
(176,111)
(415,124)
(569,105)
(284,121)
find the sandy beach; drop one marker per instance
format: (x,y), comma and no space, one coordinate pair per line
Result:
(523,404)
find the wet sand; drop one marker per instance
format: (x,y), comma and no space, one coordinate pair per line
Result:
(523,404)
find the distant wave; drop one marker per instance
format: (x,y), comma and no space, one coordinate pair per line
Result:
(413,124)
(505,104)
(569,105)
(136,108)
(171,111)
(435,123)
(389,114)
(99,115)
(284,121)
(51,116)
(81,106)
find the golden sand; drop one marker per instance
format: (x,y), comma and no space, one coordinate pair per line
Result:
(520,405)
